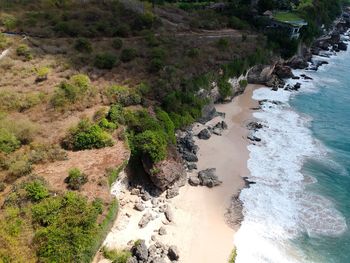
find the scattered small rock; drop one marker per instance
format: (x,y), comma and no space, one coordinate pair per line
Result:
(135,191)
(169,215)
(139,206)
(146,196)
(145,219)
(173,253)
(209,178)
(162,231)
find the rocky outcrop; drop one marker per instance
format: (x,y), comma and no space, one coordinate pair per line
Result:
(260,74)
(283,71)
(140,251)
(297,62)
(204,134)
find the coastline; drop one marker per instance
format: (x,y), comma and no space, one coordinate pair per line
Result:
(199,228)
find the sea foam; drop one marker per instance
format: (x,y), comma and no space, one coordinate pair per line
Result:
(278,209)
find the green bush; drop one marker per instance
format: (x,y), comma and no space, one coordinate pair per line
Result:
(237,23)
(128,54)
(8,141)
(158,52)
(107,125)
(20,168)
(9,22)
(117,43)
(68,28)
(222,44)
(233,256)
(153,144)
(243,83)
(225,88)
(116,114)
(116,256)
(122,95)
(11,100)
(3,41)
(167,125)
(23,129)
(24,51)
(105,61)
(76,89)
(193,52)
(36,190)
(123,30)
(83,45)
(42,73)
(44,153)
(87,135)
(76,179)
(155,65)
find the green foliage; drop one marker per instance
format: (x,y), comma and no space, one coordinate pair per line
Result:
(77,89)
(105,61)
(107,125)
(155,65)
(9,22)
(193,52)
(11,100)
(3,41)
(222,44)
(114,173)
(233,256)
(237,23)
(83,45)
(153,144)
(44,153)
(42,73)
(20,167)
(117,43)
(36,190)
(225,88)
(24,52)
(167,125)
(66,228)
(116,256)
(122,95)
(76,179)
(86,135)
(116,114)
(243,83)
(8,141)
(128,54)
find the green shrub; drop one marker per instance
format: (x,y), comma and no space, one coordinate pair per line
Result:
(68,28)
(225,88)
(3,41)
(158,52)
(144,21)
(144,88)
(153,144)
(117,43)
(155,65)
(86,135)
(23,129)
(167,125)
(116,114)
(36,190)
(8,141)
(20,168)
(76,89)
(243,83)
(107,125)
(24,51)
(237,23)
(128,54)
(76,179)
(122,95)
(151,39)
(42,73)
(193,52)
(2,186)
(222,44)
(44,153)
(123,30)
(105,61)
(116,256)
(233,256)
(11,100)
(83,45)
(9,22)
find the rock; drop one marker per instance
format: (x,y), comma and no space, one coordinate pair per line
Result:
(208,178)
(155,202)
(135,191)
(162,231)
(260,74)
(192,166)
(204,134)
(217,131)
(297,62)
(190,157)
(295,77)
(139,206)
(283,71)
(169,214)
(275,82)
(254,126)
(306,77)
(194,180)
(145,219)
(158,260)
(209,111)
(172,192)
(173,253)
(132,260)
(167,172)
(146,196)
(342,46)
(253,138)
(140,251)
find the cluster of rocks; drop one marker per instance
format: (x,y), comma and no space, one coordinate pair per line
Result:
(187,147)
(155,253)
(253,127)
(218,129)
(206,177)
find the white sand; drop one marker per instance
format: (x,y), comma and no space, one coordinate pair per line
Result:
(199,229)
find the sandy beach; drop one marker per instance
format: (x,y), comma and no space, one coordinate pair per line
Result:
(199,228)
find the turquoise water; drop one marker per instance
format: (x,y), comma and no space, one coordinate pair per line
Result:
(329,107)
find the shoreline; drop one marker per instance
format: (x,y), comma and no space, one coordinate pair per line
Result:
(199,228)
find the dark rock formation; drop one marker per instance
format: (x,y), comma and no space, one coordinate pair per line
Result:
(140,251)
(283,71)
(173,253)
(194,180)
(260,74)
(297,62)
(204,134)
(209,178)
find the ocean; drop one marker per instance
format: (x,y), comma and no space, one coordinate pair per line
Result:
(299,208)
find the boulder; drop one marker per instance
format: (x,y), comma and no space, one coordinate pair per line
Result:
(172,192)
(167,172)
(342,46)
(173,253)
(283,71)
(253,138)
(189,157)
(254,126)
(169,214)
(140,251)
(194,180)
(139,206)
(260,74)
(145,219)
(192,166)
(297,62)
(209,178)
(162,231)
(204,134)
